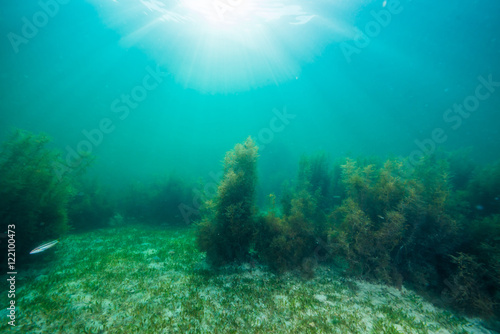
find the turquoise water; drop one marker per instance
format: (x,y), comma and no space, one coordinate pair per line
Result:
(225,79)
(155,88)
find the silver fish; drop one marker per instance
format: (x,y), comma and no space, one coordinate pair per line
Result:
(44,247)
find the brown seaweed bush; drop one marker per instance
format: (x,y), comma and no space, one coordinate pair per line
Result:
(289,242)
(393,224)
(371,222)
(225,232)
(390,223)
(32,196)
(295,241)
(398,225)
(474,281)
(466,287)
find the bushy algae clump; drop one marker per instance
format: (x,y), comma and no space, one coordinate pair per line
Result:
(297,238)
(33,197)
(414,226)
(435,228)
(226,231)
(385,221)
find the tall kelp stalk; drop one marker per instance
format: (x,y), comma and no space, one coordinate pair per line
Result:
(225,232)
(33,195)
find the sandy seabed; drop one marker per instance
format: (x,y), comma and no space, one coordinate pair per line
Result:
(138,279)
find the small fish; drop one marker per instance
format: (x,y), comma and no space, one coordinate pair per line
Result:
(44,247)
(381,217)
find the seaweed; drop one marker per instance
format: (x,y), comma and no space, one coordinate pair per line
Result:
(225,234)
(483,191)
(157,201)
(33,196)
(295,240)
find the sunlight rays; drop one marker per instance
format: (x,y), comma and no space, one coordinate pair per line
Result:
(225,45)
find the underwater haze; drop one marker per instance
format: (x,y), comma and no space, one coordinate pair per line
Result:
(353,85)
(138,105)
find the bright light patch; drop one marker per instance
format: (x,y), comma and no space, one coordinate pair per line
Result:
(225,45)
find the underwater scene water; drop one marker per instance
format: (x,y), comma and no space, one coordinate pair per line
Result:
(250,166)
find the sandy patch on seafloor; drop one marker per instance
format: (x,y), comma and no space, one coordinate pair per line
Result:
(143,281)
